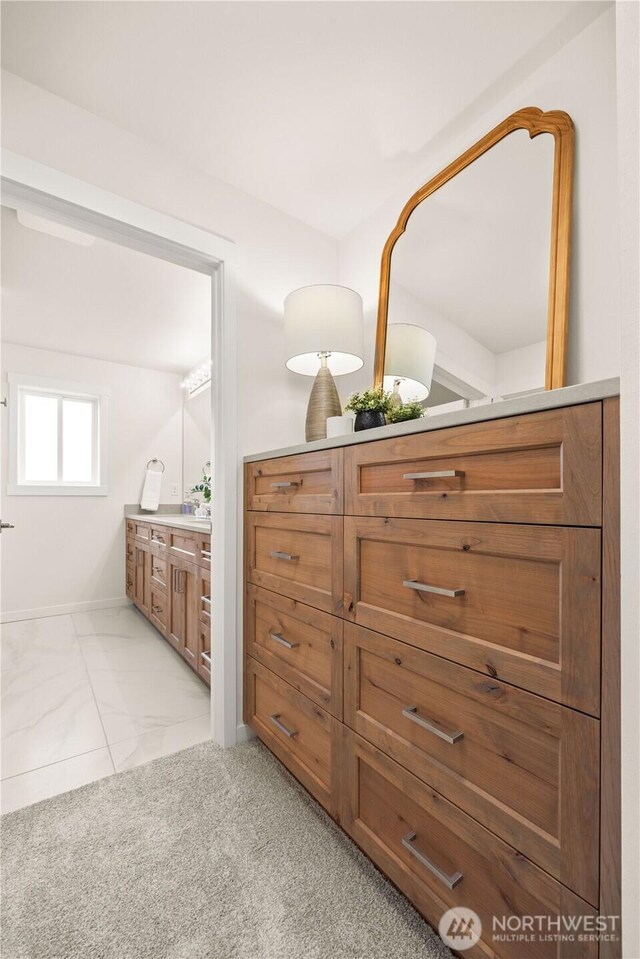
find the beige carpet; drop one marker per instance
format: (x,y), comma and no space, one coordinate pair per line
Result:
(207,854)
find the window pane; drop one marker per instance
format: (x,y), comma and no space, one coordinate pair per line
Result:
(77,441)
(40,438)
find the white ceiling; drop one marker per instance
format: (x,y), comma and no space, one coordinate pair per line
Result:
(104,300)
(321,109)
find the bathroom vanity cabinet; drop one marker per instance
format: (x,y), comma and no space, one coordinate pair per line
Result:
(431,647)
(168,577)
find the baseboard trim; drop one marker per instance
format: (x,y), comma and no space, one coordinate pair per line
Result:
(244,733)
(15,616)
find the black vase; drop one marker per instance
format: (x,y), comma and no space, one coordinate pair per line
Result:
(369,419)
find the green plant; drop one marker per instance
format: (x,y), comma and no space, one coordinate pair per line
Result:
(408,411)
(374,400)
(204,487)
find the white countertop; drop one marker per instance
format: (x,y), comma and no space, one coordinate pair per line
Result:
(534,402)
(179,520)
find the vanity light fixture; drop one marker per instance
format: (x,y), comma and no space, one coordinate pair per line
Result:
(323,332)
(198,379)
(408,362)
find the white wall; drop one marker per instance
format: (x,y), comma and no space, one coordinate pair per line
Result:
(69,550)
(276,252)
(580,79)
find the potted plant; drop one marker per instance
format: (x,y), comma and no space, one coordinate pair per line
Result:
(204,487)
(412,410)
(370,407)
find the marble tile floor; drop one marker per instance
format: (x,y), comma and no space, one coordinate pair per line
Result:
(88,695)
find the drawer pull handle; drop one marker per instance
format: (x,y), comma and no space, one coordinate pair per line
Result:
(275,719)
(157,571)
(187,552)
(449,881)
(286,485)
(425,588)
(277,554)
(178,580)
(206,599)
(437,474)
(279,638)
(158,539)
(156,609)
(207,659)
(411,712)
(206,552)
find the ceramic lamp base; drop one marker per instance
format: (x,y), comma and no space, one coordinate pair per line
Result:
(323,402)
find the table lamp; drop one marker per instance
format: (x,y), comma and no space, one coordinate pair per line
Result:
(323,332)
(408,362)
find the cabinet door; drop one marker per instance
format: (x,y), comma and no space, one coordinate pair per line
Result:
(141,579)
(183,613)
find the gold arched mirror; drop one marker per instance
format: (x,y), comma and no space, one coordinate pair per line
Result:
(479,258)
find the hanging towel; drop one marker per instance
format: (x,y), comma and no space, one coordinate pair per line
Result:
(151,492)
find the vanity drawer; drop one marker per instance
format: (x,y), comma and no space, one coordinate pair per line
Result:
(301,734)
(203,545)
(131,527)
(142,532)
(159,609)
(130,579)
(183,544)
(158,572)
(299,643)
(523,766)
(441,858)
(204,653)
(204,597)
(519,603)
(539,468)
(298,556)
(304,483)
(160,540)
(130,550)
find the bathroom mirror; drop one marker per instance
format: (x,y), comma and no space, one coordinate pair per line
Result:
(480,258)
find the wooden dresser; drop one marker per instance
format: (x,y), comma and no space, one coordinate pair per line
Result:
(431,647)
(168,577)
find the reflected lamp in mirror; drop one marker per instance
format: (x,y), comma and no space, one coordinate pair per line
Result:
(324,338)
(408,364)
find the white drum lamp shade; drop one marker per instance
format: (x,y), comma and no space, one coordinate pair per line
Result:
(327,320)
(409,356)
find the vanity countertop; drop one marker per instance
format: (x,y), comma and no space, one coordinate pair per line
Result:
(179,521)
(532,403)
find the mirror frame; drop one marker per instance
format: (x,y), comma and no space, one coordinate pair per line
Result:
(535,121)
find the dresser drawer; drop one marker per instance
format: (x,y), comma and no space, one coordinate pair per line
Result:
(203,544)
(519,603)
(305,483)
(441,858)
(158,573)
(539,468)
(523,766)
(183,545)
(298,556)
(301,734)
(299,643)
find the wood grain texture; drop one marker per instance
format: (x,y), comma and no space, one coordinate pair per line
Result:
(316,478)
(532,119)
(530,613)
(525,767)
(314,575)
(610,813)
(384,802)
(310,752)
(539,468)
(313,662)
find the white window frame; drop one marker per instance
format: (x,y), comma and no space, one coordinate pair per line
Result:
(21,384)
